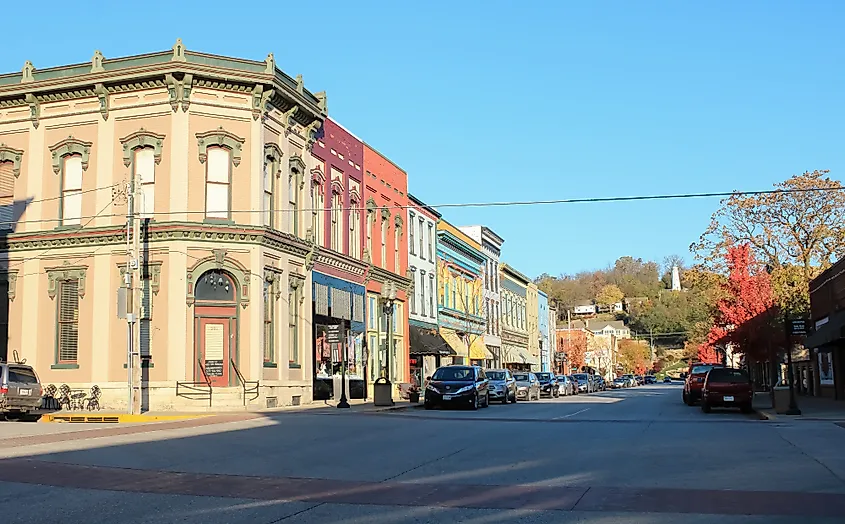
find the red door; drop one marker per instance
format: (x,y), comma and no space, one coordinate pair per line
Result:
(214,345)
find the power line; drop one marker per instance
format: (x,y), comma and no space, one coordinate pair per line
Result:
(512,203)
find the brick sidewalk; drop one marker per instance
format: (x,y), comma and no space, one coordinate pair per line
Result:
(527,497)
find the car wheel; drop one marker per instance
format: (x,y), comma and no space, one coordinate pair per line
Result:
(514,399)
(428,405)
(474,405)
(705,407)
(30,418)
(486,401)
(686,399)
(746,408)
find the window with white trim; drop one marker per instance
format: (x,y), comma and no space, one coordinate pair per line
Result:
(71,190)
(411,233)
(144,165)
(293,201)
(68,321)
(267,193)
(7,196)
(337,222)
(218,183)
(384,226)
(317,214)
(354,228)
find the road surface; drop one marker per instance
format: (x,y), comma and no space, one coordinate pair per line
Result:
(634,455)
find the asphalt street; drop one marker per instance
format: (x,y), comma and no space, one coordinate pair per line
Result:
(633,455)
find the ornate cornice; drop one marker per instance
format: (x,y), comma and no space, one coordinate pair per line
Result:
(222,138)
(159,233)
(333,259)
(8,154)
(141,138)
(377,274)
(70,146)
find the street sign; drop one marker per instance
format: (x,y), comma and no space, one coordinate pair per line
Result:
(798,327)
(333,334)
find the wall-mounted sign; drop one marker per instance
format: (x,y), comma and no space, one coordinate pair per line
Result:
(333,334)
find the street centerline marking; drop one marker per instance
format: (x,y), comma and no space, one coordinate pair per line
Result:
(571,414)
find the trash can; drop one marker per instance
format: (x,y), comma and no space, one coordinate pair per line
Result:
(781,399)
(382,394)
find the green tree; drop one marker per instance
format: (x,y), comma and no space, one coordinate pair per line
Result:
(609,295)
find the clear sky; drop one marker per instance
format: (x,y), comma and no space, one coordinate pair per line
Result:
(521,100)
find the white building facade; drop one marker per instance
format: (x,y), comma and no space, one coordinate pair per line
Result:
(491,245)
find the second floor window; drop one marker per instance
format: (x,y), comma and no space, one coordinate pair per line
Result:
(317,214)
(384,226)
(267,195)
(431,237)
(145,170)
(7,196)
(371,217)
(422,294)
(355,230)
(293,200)
(72,190)
(337,223)
(68,322)
(431,311)
(396,241)
(422,253)
(217,184)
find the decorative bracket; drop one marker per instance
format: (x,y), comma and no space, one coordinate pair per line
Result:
(273,276)
(11,277)
(219,257)
(385,213)
(312,253)
(287,116)
(56,275)
(397,221)
(310,132)
(7,154)
(322,102)
(138,139)
(179,91)
(260,100)
(187,85)
(297,168)
(103,96)
(70,146)
(34,109)
(222,138)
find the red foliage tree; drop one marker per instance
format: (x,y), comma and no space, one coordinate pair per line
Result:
(573,344)
(746,313)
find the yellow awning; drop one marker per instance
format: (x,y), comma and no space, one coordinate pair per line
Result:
(455,342)
(478,349)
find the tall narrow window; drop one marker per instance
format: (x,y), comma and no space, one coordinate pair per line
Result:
(454,293)
(337,222)
(422,294)
(413,299)
(397,238)
(432,311)
(411,233)
(267,195)
(371,217)
(293,324)
(145,170)
(422,240)
(218,173)
(7,196)
(68,313)
(354,229)
(268,323)
(446,294)
(384,226)
(293,200)
(72,190)
(431,237)
(317,213)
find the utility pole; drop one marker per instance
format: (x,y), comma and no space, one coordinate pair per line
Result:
(127,280)
(136,296)
(133,296)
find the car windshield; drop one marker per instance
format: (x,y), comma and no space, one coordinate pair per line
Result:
(581,376)
(459,374)
(727,376)
(561,378)
(619,380)
(700,370)
(544,376)
(522,377)
(497,375)
(22,375)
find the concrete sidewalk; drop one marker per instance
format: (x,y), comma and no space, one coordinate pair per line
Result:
(812,408)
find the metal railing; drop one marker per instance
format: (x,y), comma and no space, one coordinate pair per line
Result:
(196,390)
(250,387)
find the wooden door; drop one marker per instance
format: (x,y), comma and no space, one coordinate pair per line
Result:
(214,348)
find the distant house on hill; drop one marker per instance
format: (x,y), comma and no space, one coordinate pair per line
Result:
(585,308)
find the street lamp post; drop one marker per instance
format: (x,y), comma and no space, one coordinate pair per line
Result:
(793,405)
(388,297)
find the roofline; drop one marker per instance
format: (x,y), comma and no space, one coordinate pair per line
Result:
(338,124)
(510,269)
(424,206)
(379,153)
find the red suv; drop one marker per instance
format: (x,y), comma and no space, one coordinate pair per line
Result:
(727,388)
(695,381)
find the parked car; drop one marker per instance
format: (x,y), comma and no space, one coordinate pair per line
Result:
(548,384)
(585,385)
(464,386)
(619,383)
(695,381)
(20,392)
(501,385)
(667,380)
(527,386)
(640,380)
(574,382)
(601,382)
(565,386)
(727,388)
(650,379)
(630,380)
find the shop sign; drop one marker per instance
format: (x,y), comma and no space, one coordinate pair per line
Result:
(333,335)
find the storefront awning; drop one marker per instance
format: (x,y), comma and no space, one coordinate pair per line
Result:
(478,349)
(455,341)
(515,355)
(829,333)
(426,341)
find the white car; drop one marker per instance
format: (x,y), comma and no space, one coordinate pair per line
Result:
(565,386)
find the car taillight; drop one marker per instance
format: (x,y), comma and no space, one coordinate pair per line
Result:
(4,389)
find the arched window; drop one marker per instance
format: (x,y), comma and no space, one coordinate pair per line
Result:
(144,166)
(354,229)
(337,222)
(71,190)
(318,212)
(214,286)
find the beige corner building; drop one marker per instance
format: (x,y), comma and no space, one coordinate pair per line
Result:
(532,308)
(212,153)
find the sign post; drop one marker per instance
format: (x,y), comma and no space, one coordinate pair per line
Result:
(795,327)
(334,335)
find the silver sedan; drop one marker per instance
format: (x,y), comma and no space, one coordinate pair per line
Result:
(527,386)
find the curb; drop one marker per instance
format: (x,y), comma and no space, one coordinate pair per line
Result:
(765,415)
(118,418)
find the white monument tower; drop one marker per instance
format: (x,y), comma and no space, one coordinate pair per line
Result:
(676,279)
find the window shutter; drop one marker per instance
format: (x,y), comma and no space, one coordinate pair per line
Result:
(7,195)
(68,320)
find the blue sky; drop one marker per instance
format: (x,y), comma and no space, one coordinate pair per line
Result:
(505,100)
